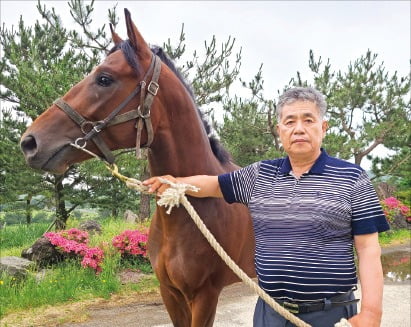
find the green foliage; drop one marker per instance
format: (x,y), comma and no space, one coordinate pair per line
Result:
(248,129)
(36,67)
(211,73)
(398,168)
(245,132)
(106,192)
(405,196)
(16,181)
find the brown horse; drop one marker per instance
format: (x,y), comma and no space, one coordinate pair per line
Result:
(133,76)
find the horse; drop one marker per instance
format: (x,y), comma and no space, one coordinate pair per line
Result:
(154,108)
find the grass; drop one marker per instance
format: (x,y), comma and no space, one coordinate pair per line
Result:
(68,281)
(395,237)
(15,238)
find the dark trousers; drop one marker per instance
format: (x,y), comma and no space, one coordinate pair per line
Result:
(265,316)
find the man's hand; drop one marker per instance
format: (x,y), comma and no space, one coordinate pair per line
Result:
(156,186)
(366,318)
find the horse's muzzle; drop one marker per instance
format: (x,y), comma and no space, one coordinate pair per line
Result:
(48,159)
(28,145)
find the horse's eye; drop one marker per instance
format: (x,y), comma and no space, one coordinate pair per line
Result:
(104,80)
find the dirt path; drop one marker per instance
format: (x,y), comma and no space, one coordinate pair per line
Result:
(235,308)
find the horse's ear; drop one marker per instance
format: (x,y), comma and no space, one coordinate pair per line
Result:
(116,39)
(135,37)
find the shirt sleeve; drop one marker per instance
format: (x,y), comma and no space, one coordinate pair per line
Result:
(367,214)
(238,186)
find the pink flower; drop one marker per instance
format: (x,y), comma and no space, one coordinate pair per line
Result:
(404,210)
(93,258)
(131,242)
(74,241)
(394,208)
(391,202)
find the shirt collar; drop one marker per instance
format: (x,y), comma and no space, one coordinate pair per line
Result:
(317,168)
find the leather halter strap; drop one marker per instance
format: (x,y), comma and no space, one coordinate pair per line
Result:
(91,129)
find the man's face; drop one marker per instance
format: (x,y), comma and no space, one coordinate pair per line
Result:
(301,129)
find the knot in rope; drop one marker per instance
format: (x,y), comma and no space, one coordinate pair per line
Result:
(136,185)
(343,323)
(172,197)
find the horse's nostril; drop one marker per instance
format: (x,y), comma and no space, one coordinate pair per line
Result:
(29,145)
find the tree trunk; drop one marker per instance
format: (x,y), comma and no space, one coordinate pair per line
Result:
(28,209)
(144,210)
(114,212)
(61,212)
(358,159)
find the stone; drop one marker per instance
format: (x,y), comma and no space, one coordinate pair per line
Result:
(43,253)
(400,222)
(130,216)
(15,266)
(91,226)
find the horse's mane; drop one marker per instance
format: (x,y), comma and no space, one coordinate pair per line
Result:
(218,150)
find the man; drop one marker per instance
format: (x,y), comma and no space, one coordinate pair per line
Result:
(308,211)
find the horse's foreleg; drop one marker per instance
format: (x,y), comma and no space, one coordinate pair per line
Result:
(204,307)
(177,307)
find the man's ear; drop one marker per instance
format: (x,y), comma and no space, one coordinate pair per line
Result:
(324,126)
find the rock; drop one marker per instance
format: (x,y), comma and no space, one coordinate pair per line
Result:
(130,216)
(400,222)
(43,253)
(15,266)
(90,226)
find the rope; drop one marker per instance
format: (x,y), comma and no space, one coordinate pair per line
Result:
(175,195)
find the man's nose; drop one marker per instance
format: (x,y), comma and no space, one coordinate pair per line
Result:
(299,127)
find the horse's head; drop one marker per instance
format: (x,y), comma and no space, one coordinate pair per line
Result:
(100,112)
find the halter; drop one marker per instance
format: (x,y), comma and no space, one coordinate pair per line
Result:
(91,129)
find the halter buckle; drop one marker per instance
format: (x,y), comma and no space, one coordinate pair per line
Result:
(153,88)
(97,129)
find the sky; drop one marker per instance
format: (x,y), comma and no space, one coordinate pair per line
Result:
(277,34)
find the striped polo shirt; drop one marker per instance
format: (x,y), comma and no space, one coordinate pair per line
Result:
(304,227)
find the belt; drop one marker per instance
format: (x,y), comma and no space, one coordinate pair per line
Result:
(324,304)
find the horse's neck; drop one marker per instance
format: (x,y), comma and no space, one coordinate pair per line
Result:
(182,147)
